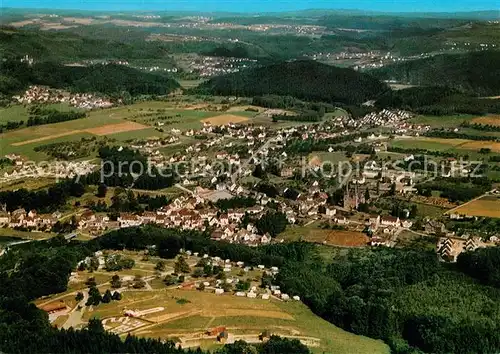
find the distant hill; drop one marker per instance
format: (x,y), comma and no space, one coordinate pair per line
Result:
(303,79)
(477,72)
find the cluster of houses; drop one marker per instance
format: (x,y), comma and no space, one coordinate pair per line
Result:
(42,94)
(19,218)
(212,66)
(450,248)
(54,169)
(187,214)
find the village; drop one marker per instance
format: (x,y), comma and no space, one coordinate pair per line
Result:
(41,94)
(222,166)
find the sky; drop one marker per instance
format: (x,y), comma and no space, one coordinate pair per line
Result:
(259,5)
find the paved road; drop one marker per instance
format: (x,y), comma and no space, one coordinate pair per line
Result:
(75,316)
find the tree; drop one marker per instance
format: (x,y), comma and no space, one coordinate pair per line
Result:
(160,266)
(367,195)
(198,272)
(201,287)
(181,266)
(117,296)
(95,326)
(79,296)
(273,223)
(392,190)
(107,297)
(138,282)
(102,189)
(170,280)
(227,287)
(277,345)
(94,297)
(259,172)
(82,266)
(90,282)
(94,264)
(116,282)
(238,347)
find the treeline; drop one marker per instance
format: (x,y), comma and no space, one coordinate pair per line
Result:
(486,227)
(308,80)
(169,242)
(40,116)
(476,72)
(111,79)
(483,127)
(437,101)
(46,200)
(421,151)
(10,125)
(289,102)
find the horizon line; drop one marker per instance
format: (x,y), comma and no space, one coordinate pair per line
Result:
(2,8)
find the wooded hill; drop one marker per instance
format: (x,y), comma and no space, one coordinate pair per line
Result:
(303,79)
(476,72)
(106,79)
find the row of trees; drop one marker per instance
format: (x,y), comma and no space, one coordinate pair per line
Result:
(40,116)
(45,200)
(479,126)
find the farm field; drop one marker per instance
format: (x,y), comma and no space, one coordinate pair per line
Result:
(488,206)
(488,120)
(339,238)
(441,144)
(325,157)
(441,121)
(27,183)
(437,144)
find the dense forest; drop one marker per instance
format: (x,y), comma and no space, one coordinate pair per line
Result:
(476,72)
(438,101)
(405,297)
(66,46)
(106,79)
(302,79)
